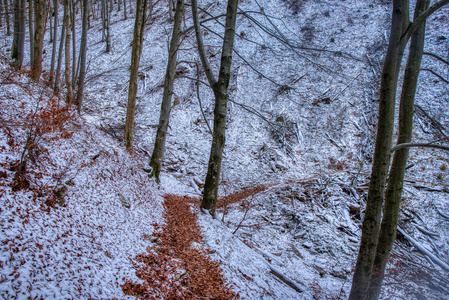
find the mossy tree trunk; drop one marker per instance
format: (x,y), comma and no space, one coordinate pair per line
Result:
(393,193)
(220,89)
(373,252)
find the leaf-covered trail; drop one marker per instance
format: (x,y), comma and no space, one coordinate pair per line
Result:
(177,266)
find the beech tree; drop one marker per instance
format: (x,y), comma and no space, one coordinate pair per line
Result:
(18,44)
(54,41)
(374,247)
(164,117)
(83,49)
(141,8)
(220,90)
(68,29)
(39,32)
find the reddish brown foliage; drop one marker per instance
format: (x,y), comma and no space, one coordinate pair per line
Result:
(236,197)
(175,269)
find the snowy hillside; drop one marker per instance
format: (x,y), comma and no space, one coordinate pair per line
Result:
(81,220)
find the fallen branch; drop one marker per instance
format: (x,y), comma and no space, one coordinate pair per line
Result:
(424,251)
(427,232)
(441,213)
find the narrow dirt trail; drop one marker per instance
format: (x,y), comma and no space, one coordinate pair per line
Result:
(177,266)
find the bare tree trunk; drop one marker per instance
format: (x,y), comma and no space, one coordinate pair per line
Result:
(18,45)
(108,29)
(164,117)
(31,29)
(381,162)
(68,29)
(1,13)
(36,67)
(171,7)
(55,41)
(393,193)
(139,25)
(60,54)
(401,30)
(124,10)
(103,20)
(83,49)
(220,89)
(73,20)
(7,11)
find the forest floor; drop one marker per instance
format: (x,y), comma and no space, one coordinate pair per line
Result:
(80,219)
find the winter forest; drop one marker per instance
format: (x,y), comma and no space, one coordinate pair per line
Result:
(252,149)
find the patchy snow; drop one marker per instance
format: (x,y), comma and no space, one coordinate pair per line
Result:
(323,60)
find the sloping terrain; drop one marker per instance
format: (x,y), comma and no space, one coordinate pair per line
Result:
(300,135)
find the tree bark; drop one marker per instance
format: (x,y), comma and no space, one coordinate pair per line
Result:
(18,45)
(73,31)
(67,21)
(31,29)
(60,54)
(220,89)
(393,193)
(55,41)
(135,59)
(164,118)
(382,154)
(107,21)
(83,49)
(6,11)
(39,31)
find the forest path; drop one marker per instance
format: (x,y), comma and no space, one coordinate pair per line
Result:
(178,266)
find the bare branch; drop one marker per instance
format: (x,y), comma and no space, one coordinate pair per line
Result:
(419,20)
(436,74)
(437,57)
(200,43)
(423,145)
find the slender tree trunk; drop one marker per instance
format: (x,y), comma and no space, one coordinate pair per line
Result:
(125,16)
(381,162)
(36,67)
(83,49)
(73,20)
(164,118)
(1,13)
(68,29)
(60,54)
(220,89)
(103,20)
(139,25)
(18,47)
(31,29)
(108,32)
(7,11)
(393,193)
(55,41)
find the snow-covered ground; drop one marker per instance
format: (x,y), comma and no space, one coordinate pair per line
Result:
(313,68)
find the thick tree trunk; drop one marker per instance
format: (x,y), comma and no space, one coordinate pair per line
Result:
(18,45)
(55,41)
(135,59)
(159,145)
(220,89)
(31,29)
(68,29)
(36,67)
(381,162)
(393,193)
(83,49)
